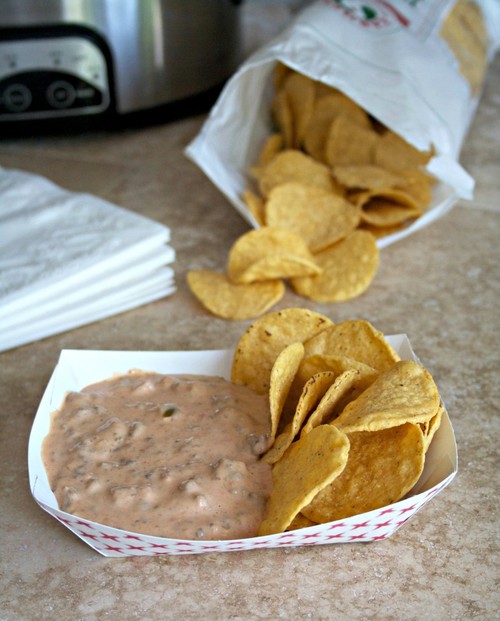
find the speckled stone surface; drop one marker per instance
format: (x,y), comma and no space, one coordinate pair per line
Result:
(440,286)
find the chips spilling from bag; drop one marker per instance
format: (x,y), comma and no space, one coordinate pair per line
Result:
(329,181)
(326,140)
(351,421)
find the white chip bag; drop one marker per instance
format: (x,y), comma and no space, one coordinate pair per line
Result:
(416,67)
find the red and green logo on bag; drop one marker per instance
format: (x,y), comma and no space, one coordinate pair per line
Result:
(376,14)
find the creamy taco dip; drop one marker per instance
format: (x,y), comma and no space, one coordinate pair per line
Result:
(167,455)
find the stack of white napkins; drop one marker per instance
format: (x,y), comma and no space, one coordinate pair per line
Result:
(68,259)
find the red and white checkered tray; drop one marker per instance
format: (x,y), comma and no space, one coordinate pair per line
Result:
(76,369)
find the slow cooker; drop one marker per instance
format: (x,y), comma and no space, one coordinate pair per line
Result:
(63,62)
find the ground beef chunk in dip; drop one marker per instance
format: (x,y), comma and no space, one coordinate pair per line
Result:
(172,456)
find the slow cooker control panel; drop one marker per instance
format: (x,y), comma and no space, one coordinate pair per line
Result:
(52,77)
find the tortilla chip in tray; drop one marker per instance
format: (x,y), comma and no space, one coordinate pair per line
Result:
(76,369)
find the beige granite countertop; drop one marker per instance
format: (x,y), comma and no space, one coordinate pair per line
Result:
(440,286)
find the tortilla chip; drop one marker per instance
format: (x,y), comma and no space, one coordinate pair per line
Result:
(382,467)
(294,165)
(348,267)
(225,299)
(264,340)
(272,145)
(433,425)
(329,105)
(338,364)
(366,177)
(405,393)
(308,466)
(357,339)
(393,152)
(281,72)
(267,254)
(281,113)
(325,409)
(382,231)
(282,374)
(255,206)
(300,91)
(416,183)
(386,208)
(313,391)
(319,216)
(349,143)
(300,521)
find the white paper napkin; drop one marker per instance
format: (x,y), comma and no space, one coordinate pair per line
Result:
(67,259)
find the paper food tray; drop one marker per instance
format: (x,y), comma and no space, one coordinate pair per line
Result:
(78,368)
